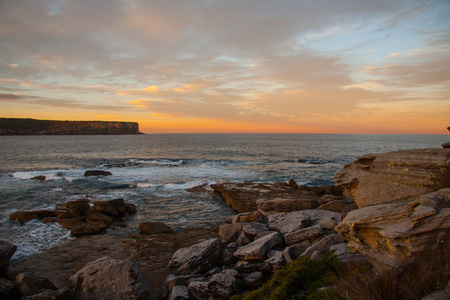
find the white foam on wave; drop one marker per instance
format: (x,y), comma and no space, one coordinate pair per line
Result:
(68,175)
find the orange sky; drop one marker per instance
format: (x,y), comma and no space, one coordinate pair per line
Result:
(249,66)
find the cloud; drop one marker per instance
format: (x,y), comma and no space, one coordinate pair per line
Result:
(393,55)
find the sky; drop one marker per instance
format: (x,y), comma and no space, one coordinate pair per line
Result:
(280,66)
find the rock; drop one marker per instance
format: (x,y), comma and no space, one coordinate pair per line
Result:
(31,285)
(302,234)
(389,235)
(78,207)
(346,257)
(23,216)
(254,228)
(288,222)
(79,229)
(179,292)
(7,250)
(106,208)
(324,244)
(258,248)
(275,260)
(39,177)
(69,223)
(155,227)
(226,257)
(62,294)
(348,208)
(198,189)
(253,280)
(317,216)
(394,177)
(249,217)
(96,216)
(249,197)
(439,294)
(292,252)
(335,205)
(243,239)
(328,198)
(49,220)
(108,278)
(293,184)
(446,145)
(230,232)
(190,259)
(118,204)
(8,290)
(130,208)
(219,286)
(172,281)
(97,173)
(46,213)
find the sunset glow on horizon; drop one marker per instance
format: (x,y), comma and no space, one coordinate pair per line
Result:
(206,66)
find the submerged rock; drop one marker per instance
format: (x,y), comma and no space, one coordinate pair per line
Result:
(97,173)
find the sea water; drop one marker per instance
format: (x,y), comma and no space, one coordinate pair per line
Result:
(153,171)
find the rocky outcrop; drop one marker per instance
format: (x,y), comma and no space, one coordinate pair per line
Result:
(271,198)
(108,278)
(395,177)
(11,126)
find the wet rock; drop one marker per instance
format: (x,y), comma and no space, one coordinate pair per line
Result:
(106,208)
(96,216)
(31,285)
(46,213)
(293,184)
(23,216)
(394,177)
(258,248)
(39,177)
(195,258)
(288,222)
(118,204)
(302,234)
(108,278)
(155,227)
(130,208)
(81,228)
(78,207)
(7,250)
(97,173)
(69,223)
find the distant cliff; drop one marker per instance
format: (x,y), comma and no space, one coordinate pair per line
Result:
(12,126)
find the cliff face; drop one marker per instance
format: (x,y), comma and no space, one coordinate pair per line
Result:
(9,126)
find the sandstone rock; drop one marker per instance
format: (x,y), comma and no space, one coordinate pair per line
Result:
(49,220)
(292,252)
(96,216)
(179,292)
(155,227)
(227,258)
(293,184)
(288,222)
(8,290)
(302,234)
(249,197)
(249,217)
(230,232)
(345,256)
(69,223)
(336,205)
(275,260)
(23,216)
(97,173)
(46,294)
(253,280)
(254,228)
(328,225)
(106,208)
(446,145)
(328,198)
(108,278)
(389,235)
(7,250)
(130,208)
(46,213)
(78,207)
(189,259)
(316,216)
(40,178)
(348,207)
(395,176)
(219,286)
(31,285)
(118,204)
(258,248)
(324,244)
(243,239)
(81,228)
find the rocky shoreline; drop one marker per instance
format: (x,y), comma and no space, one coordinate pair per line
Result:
(384,210)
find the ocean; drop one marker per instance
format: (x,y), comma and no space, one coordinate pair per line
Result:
(153,171)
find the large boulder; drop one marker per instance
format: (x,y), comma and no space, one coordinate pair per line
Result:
(108,278)
(6,252)
(31,285)
(257,249)
(389,235)
(394,177)
(196,258)
(288,222)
